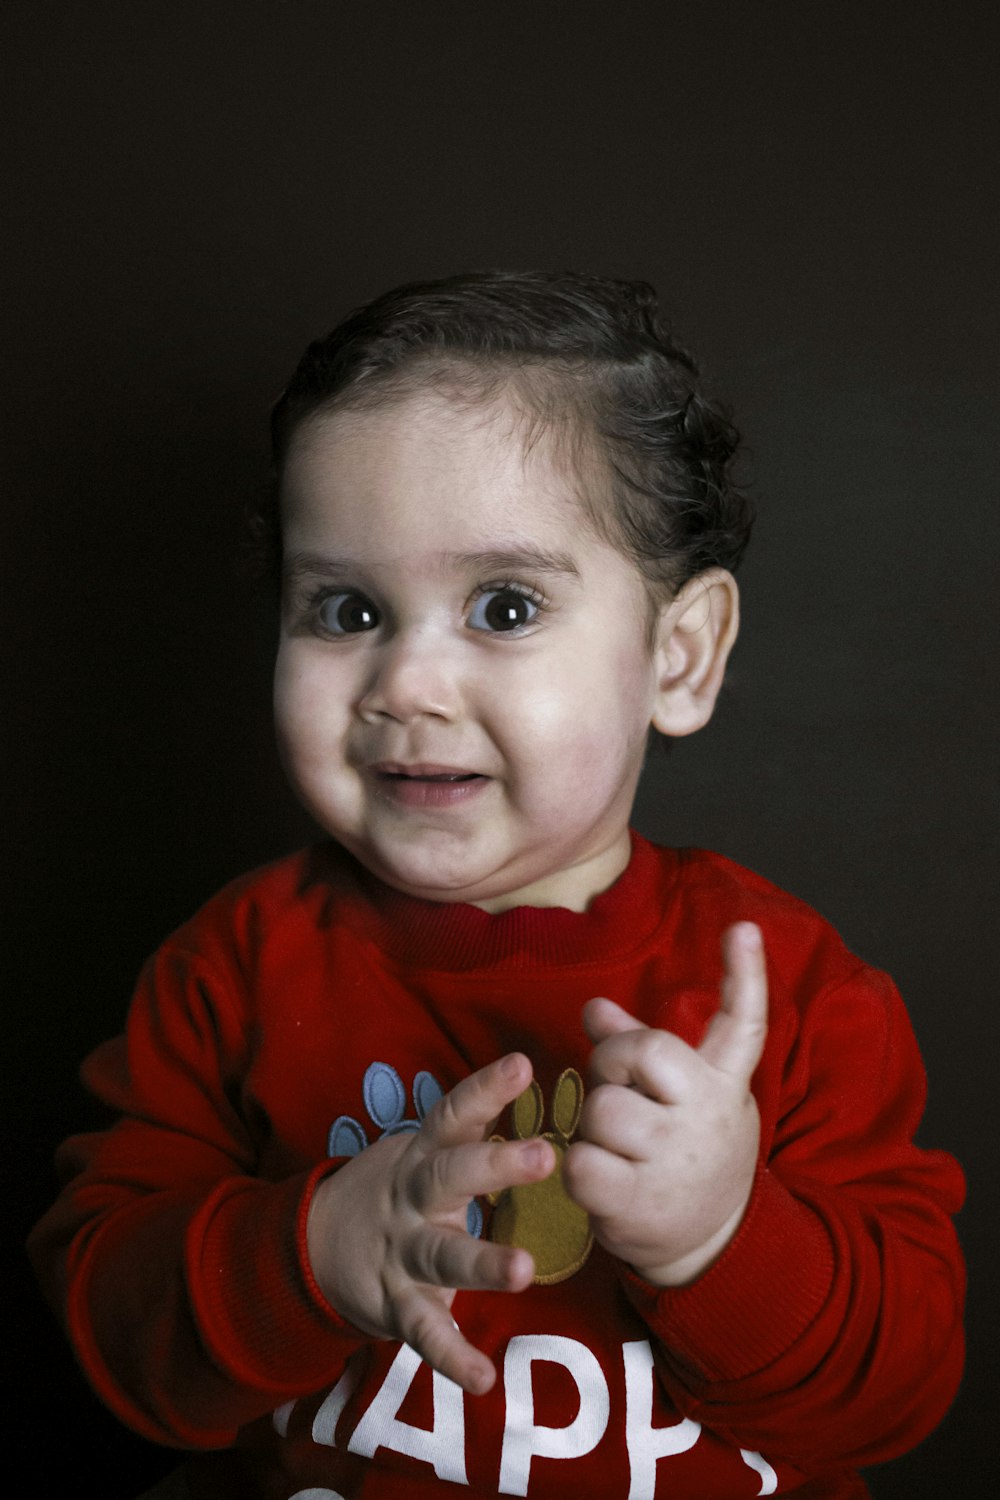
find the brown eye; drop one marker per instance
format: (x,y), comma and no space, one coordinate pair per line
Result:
(502,609)
(347,614)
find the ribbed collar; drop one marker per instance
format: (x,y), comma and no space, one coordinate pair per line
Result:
(456,936)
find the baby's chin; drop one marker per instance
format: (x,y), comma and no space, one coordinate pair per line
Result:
(522,881)
(431,875)
(491,892)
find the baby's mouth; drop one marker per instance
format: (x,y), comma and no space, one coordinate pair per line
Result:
(427,786)
(393,772)
(444,776)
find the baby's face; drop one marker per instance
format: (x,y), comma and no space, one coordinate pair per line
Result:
(464,683)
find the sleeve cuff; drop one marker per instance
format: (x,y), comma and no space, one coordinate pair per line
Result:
(747,1309)
(260,1311)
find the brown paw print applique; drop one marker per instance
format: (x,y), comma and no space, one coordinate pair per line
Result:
(541,1216)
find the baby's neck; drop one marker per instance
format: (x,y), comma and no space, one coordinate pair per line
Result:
(573,888)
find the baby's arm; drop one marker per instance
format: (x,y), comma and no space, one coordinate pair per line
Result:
(386,1233)
(184,1274)
(179,1270)
(667,1146)
(816,1314)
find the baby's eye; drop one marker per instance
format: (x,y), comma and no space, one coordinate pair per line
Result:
(347,614)
(503,609)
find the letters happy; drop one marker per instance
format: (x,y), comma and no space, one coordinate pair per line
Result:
(443,1445)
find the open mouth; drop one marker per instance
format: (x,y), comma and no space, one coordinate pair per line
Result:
(393,771)
(444,776)
(427,785)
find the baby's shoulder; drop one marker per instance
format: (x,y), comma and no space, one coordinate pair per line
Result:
(804,949)
(276,903)
(716,876)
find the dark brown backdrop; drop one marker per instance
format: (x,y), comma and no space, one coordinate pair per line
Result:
(194,189)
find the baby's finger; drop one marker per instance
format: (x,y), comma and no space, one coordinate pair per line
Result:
(469,1110)
(446,1179)
(449,1258)
(600,1182)
(426,1324)
(603,1018)
(735,1037)
(622,1120)
(656,1062)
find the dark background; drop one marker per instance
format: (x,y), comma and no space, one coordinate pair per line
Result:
(194,190)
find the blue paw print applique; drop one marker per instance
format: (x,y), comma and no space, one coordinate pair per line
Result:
(385,1101)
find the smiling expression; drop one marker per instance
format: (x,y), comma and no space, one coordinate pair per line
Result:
(464,682)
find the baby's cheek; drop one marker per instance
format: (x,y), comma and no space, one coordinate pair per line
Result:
(605,749)
(565,770)
(310,699)
(310,729)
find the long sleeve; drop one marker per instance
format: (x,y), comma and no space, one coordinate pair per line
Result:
(182,1274)
(829,1331)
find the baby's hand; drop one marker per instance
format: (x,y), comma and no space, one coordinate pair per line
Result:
(666,1149)
(386,1233)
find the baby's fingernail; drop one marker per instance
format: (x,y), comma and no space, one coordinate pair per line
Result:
(511,1065)
(535,1156)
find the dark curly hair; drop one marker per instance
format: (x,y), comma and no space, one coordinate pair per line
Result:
(587,355)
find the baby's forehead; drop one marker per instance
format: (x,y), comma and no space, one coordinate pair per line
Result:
(494,444)
(517,411)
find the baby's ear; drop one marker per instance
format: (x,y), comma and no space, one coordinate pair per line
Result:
(696,633)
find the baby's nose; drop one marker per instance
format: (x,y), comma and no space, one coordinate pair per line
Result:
(412,675)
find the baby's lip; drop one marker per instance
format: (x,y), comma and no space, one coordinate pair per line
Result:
(422,771)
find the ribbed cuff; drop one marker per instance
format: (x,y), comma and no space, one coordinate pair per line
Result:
(768,1285)
(260,1312)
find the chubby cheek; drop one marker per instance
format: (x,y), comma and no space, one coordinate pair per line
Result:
(581,735)
(310,717)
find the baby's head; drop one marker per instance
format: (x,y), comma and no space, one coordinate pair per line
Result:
(587,359)
(507,532)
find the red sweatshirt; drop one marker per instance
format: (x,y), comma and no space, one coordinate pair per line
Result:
(307,1009)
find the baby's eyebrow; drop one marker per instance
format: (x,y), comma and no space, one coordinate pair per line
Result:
(312,565)
(492,560)
(517,559)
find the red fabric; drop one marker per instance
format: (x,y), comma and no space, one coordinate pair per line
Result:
(827,1335)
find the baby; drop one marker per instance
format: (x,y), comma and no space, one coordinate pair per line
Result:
(380,1142)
